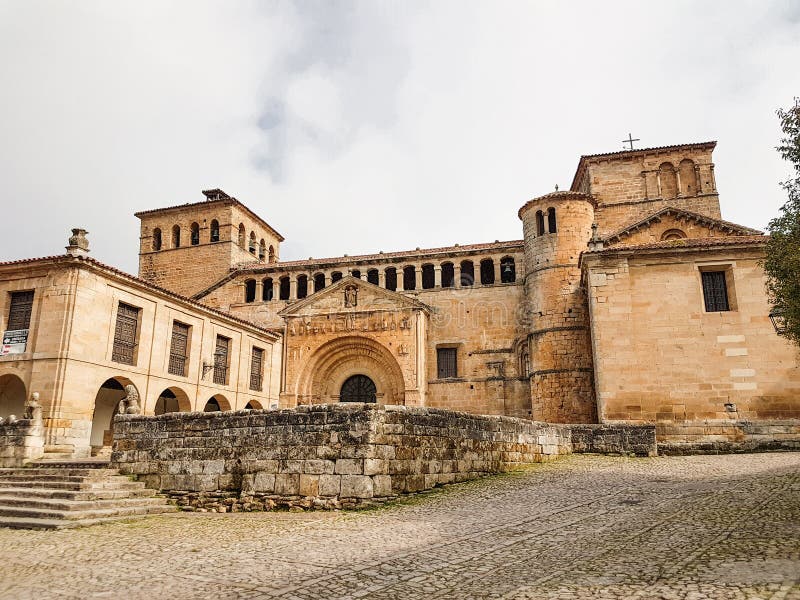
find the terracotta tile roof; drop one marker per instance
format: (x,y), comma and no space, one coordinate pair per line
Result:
(67,258)
(711,222)
(227,201)
(588,158)
(711,242)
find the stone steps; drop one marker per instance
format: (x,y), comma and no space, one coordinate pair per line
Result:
(57,494)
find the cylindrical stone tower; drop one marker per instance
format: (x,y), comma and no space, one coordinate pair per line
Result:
(557,228)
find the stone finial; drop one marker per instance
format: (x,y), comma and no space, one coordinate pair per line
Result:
(595,243)
(78,244)
(33,410)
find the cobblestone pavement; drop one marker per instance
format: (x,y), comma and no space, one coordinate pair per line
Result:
(581,527)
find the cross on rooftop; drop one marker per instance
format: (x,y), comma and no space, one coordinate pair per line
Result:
(630,141)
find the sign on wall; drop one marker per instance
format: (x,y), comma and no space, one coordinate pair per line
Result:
(14,342)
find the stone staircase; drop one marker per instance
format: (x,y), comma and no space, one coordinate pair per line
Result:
(56,494)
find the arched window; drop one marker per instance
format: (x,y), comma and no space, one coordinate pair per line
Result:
(551,220)
(302,286)
(252,245)
(156,239)
(241,236)
(448,275)
(487,271)
(689,185)
(176,236)
(319,282)
(467,273)
(539,223)
(669,185)
(262,250)
(372,276)
(284,288)
(409,278)
(213,235)
(336,276)
(428,277)
(266,294)
(271,255)
(391,278)
(356,273)
(672,234)
(508,271)
(250,290)
(194,237)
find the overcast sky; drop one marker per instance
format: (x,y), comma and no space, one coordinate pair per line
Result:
(354,127)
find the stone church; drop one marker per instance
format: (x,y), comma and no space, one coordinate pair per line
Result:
(628,299)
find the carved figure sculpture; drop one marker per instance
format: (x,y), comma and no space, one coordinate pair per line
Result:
(350,296)
(129,405)
(33,410)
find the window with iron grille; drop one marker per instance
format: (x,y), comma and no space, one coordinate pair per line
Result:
(446,363)
(125,334)
(178,348)
(715,291)
(256,369)
(19,315)
(221,360)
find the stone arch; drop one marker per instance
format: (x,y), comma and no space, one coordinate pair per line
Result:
(669,183)
(688,175)
(253,405)
(217,402)
(213,235)
(106,405)
(539,222)
(327,369)
(251,246)
(172,399)
(262,250)
(271,254)
(12,396)
(250,290)
(551,220)
(241,235)
(157,239)
(508,270)
(194,234)
(672,234)
(176,236)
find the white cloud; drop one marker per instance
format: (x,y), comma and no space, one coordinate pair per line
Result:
(358,126)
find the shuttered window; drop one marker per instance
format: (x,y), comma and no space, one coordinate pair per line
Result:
(178,349)
(221,360)
(715,291)
(446,363)
(19,315)
(256,369)
(125,334)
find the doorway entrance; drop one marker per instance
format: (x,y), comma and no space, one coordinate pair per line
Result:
(358,388)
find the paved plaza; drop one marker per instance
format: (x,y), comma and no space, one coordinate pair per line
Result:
(581,527)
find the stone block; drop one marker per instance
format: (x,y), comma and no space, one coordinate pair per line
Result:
(356,486)
(264,481)
(347,466)
(330,485)
(309,485)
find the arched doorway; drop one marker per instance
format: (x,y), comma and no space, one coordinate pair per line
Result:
(172,400)
(253,405)
(106,405)
(358,388)
(12,396)
(217,403)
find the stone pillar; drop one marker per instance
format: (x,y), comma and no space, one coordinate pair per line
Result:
(658,181)
(401,279)
(417,277)
(327,279)
(292,287)
(497,273)
(437,276)
(678,192)
(382,278)
(259,290)
(457,274)
(276,288)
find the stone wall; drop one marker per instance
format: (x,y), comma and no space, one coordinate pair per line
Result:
(614,439)
(727,436)
(328,455)
(20,442)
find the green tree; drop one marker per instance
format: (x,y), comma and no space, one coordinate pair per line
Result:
(782,263)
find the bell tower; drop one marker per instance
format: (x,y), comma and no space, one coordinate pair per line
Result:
(556,229)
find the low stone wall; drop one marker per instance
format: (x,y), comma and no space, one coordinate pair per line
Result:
(21,441)
(323,455)
(724,437)
(614,439)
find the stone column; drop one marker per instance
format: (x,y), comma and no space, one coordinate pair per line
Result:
(497,273)
(259,290)
(417,277)
(457,274)
(678,192)
(276,288)
(437,276)
(292,287)
(382,278)
(401,279)
(658,181)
